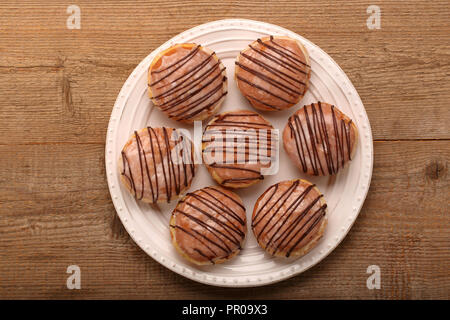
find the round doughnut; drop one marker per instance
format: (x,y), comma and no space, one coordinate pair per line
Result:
(208,226)
(289,218)
(157,164)
(320,139)
(187,82)
(273,73)
(237,146)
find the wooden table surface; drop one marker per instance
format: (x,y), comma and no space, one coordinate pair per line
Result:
(58,87)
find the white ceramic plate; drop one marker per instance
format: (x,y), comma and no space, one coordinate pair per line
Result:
(345,193)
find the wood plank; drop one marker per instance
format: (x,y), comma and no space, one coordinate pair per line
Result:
(55,211)
(58,80)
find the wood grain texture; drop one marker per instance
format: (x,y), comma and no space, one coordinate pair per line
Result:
(57,89)
(56,211)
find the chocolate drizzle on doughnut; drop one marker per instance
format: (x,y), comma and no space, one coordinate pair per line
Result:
(314,132)
(287,224)
(217,226)
(200,86)
(230,127)
(277,66)
(171,171)
(188,57)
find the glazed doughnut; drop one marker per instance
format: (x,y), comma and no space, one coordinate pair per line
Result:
(289,218)
(187,82)
(320,139)
(273,73)
(237,146)
(157,164)
(208,226)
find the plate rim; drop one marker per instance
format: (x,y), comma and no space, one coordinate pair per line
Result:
(121,101)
